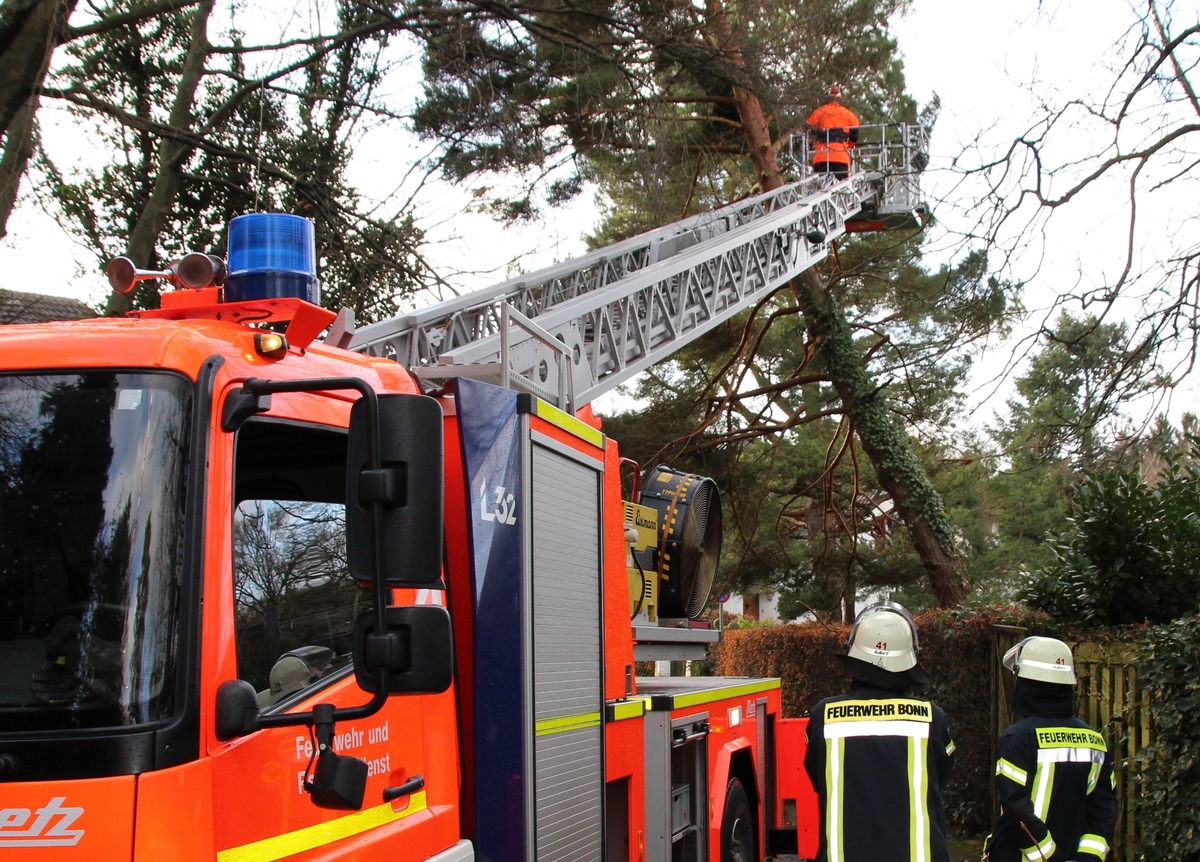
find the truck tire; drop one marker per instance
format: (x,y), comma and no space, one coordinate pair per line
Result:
(737,826)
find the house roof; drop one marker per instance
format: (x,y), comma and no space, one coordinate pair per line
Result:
(17,307)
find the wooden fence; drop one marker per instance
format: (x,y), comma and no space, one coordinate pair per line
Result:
(1110,700)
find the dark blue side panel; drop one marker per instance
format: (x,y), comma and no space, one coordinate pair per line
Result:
(490,430)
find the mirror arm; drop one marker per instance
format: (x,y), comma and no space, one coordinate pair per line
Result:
(309,717)
(336,780)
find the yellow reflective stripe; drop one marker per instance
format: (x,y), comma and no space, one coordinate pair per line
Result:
(1012,772)
(561,724)
(950,748)
(920,846)
(1094,844)
(620,710)
(1040,852)
(567,422)
(714,694)
(1094,775)
(835,753)
(1043,782)
(310,837)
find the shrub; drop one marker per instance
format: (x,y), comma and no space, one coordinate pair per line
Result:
(1169,806)
(1130,554)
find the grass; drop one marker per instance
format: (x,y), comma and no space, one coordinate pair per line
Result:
(965,849)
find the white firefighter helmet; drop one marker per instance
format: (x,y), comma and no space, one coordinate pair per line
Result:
(290,673)
(1044,659)
(884,635)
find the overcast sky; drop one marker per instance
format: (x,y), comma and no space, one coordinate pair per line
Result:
(985,61)
(978,62)
(985,64)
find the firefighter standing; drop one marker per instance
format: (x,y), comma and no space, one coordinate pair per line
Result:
(832,133)
(878,757)
(1054,776)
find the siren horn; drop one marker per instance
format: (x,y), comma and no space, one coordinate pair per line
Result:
(196,270)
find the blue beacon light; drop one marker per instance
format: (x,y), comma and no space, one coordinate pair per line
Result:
(272,256)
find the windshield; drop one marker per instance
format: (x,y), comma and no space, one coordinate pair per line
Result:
(92,472)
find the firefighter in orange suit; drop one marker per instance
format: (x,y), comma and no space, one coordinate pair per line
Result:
(832,134)
(879,757)
(1054,775)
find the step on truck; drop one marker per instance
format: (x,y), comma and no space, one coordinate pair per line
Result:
(274,587)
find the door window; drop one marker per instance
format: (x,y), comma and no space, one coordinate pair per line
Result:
(295,600)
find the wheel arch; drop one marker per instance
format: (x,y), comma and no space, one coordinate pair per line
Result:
(735,759)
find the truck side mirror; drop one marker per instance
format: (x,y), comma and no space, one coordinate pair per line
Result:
(407,488)
(417,650)
(237,709)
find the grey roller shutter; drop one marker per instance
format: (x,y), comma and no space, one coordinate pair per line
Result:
(567,655)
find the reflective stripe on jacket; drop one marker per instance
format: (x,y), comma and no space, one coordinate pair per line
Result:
(1054,781)
(878,761)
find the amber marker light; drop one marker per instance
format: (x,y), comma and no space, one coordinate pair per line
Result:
(270,344)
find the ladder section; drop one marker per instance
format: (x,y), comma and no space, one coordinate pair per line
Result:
(571,332)
(421,337)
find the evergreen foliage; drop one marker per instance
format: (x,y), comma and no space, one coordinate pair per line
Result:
(1067,402)
(1169,806)
(638,97)
(199,133)
(1129,555)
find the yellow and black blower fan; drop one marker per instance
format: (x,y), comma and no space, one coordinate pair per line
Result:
(689,539)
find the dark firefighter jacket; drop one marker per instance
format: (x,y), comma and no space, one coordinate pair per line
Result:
(833,131)
(1054,782)
(878,760)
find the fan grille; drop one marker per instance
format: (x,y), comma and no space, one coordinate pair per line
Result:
(689,546)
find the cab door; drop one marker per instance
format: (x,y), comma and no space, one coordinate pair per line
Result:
(281,617)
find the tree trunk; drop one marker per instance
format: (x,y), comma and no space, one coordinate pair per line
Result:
(755,127)
(885,443)
(899,472)
(172,155)
(18,150)
(29,32)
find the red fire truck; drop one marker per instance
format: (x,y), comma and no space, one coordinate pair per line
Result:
(380,595)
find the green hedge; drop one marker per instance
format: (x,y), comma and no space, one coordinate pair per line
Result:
(1169,807)
(956,650)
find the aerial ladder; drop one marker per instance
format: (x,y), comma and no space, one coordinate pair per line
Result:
(573,331)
